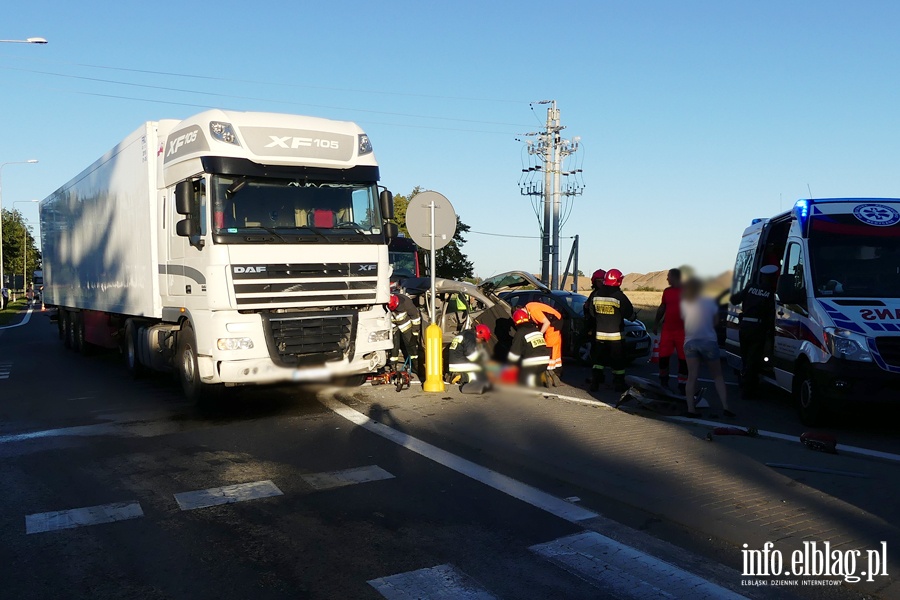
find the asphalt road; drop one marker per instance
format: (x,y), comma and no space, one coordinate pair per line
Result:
(272,494)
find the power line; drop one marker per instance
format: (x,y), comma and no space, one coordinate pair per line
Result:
(507,235)
(273,83)
(234,96)
(209,106)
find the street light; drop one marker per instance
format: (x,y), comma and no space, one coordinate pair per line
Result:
(24,248)
(31,40)
(30,161)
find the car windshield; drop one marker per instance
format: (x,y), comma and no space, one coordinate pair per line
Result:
(855,266)
(243,204)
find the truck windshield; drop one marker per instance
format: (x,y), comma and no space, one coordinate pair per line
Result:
(247,205)
(855,266)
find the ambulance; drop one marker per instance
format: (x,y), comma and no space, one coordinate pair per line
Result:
(836,337)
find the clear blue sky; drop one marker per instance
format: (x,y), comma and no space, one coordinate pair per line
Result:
(695,117)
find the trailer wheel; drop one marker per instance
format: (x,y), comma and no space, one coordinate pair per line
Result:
(188,372)
(132,363)
(810,404)
(68,325)
(81,344)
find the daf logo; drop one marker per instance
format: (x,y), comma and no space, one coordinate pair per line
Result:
(300,142)
(369,267)
(260,269)
(180,141)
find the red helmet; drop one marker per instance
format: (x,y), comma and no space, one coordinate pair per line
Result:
(613,278)
(520,316)
(482,332)
(394,302)
(598,277)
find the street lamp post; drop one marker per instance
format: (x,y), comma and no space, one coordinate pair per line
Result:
(31,40)
(30,161)
(24,249)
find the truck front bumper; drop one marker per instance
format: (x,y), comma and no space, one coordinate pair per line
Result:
(264,370)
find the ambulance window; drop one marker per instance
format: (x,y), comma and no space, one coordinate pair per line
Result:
(793,267)
(743,268)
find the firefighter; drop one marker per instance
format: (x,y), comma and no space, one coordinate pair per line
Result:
(547,318)
(465,357)
(407,322)
(757,302)
(672,339)
(606,310)
(528,349)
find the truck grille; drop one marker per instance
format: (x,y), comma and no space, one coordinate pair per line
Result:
(889,349)
(303,285)
(310,339)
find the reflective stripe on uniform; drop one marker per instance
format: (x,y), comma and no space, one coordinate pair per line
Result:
(474,355)
(405,326)
(512,357)
(556,363)
(533,337)
(463,367)
(535,360)
(606,336)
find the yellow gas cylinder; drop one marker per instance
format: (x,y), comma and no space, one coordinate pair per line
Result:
(434,360)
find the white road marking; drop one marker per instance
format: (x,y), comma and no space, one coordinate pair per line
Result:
(507,485)
(79,517)
(336,479)
(625,571)
(24,321)
(442,581)
(228,494)
(5,369)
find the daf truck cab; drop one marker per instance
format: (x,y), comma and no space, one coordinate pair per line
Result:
(836,338)
(231,247)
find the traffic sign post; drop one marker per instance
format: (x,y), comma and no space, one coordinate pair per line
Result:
(431,222)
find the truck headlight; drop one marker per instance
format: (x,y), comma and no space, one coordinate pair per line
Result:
(365,145)
(223,132)
(380,336)
(847,344)
(241,343)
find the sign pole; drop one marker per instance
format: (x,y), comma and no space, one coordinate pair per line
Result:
(434,336)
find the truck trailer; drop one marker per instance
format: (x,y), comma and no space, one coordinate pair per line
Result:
(231,247)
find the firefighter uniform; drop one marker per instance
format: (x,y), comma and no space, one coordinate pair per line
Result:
(540,312)
(757,302)
(407,323)
(531,352)
(605,311)
(464,357)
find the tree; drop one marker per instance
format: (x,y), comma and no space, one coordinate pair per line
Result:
(17,235)
(452,262)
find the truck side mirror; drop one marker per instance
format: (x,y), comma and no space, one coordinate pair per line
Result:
(184,194)
(185,228)
(391,230)
(387,204)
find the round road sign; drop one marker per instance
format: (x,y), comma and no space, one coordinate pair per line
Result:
(418,220)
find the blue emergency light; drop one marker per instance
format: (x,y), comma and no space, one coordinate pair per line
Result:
(801,212)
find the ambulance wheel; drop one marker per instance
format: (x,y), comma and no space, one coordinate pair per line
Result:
(810,403)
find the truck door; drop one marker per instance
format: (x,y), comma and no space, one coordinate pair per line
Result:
(791,313)
(174,248)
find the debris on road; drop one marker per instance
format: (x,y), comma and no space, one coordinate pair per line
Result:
(821,442)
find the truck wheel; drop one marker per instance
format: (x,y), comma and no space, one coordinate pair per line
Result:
(810,404)
(68,324)
(77,332)
(188,372)
(84,347)
(132,363)
(351,380)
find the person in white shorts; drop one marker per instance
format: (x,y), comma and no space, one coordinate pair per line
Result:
(700,343)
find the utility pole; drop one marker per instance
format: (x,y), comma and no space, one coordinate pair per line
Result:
(550,151)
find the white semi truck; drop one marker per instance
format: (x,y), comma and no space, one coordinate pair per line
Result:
(231,247)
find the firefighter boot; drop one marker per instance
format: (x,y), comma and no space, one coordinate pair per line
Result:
(598,378)
(619,384)
(554,378)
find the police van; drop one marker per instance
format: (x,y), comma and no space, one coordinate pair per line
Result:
(836,335)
